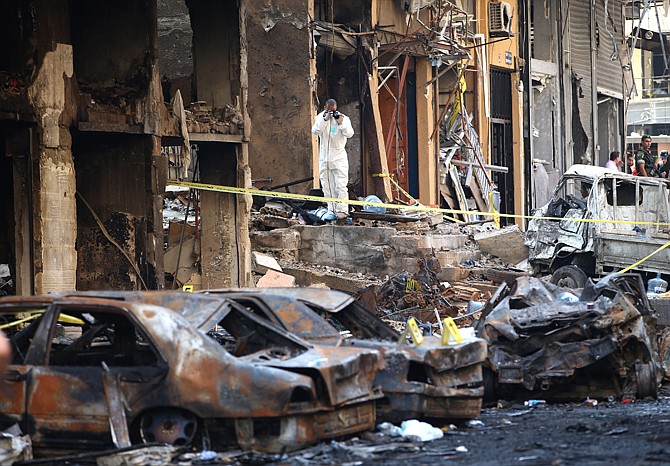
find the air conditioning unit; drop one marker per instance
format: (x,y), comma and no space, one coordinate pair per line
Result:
(500,19)
(413,6)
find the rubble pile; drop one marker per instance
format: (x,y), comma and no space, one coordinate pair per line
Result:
(203,118)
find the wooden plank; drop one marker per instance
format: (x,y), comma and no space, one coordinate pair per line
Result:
(374,142)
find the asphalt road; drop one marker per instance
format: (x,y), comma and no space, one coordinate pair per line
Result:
(611,433)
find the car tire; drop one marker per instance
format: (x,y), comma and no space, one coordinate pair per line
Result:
(646,380)
(172,426)
(569,276)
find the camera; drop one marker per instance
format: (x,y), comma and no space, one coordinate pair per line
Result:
(335,114)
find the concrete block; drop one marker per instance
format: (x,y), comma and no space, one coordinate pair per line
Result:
(404,264)
(448,242)
(273,279)
(262,263)
(452,274)
(505,243)
(454,258)
(356,249)
(281,239)
(334,282)
(411,245)
(274,221)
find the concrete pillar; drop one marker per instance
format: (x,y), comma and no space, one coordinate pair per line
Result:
(224,223)
(54,183)
(281,71)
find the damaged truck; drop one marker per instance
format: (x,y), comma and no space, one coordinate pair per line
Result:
(91,371)
(597,222)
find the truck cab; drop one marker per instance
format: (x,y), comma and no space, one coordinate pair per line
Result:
(600,221)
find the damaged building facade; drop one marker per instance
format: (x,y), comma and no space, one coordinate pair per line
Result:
(84,115)
(577,85)
(472,105)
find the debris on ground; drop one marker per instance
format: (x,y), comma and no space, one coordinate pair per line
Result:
(413,429)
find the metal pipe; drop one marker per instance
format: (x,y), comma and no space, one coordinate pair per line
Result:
(493,168)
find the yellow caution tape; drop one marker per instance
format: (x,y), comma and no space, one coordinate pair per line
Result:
(61,318)
(415,208)
(408,195)
(415,331)
(451,330)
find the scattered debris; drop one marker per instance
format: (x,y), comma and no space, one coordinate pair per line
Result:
(274,279)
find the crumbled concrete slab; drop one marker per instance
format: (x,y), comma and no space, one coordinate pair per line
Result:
(505,243)
(357,249)
(281,239)
(452,274)
(274,221)
(341,282)
(455,258)
(261,263)
(274,279)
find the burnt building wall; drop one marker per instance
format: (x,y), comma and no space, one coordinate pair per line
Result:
(113,176)
(281,80)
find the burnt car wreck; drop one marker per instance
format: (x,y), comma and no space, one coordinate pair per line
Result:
(426,381)
(90,372)
(547,342)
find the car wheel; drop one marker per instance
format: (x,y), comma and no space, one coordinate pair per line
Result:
(168,425)
(646,380)
(569,276)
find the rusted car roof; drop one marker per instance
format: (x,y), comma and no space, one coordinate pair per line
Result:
(268,390)
(429,381)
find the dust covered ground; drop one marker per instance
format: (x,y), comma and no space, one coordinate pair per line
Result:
(561,434)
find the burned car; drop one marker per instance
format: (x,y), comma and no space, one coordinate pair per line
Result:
(560,243)
(84,363)
(551,343)
(426,381)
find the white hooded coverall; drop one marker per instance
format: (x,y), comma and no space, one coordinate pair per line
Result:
(333,161)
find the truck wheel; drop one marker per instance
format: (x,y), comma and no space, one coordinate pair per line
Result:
(569,276)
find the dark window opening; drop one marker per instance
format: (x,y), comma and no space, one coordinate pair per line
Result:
(625,193)
(89,338)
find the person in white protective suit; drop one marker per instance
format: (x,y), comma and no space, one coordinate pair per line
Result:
(333,129)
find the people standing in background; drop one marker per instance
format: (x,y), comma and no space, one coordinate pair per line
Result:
(645,161)
(334,129)
(630,164)
(614,163)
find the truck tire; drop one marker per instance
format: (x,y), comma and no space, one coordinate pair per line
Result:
(569,276)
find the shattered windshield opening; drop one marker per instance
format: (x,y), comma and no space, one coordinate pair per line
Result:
(572,193)
(242,334)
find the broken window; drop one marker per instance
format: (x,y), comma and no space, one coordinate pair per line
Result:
(242,334)
(570,194)
(20,325)
(90,337)
(625,193)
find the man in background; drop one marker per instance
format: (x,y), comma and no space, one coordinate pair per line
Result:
(333,129)
(614,163)
(644,160)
